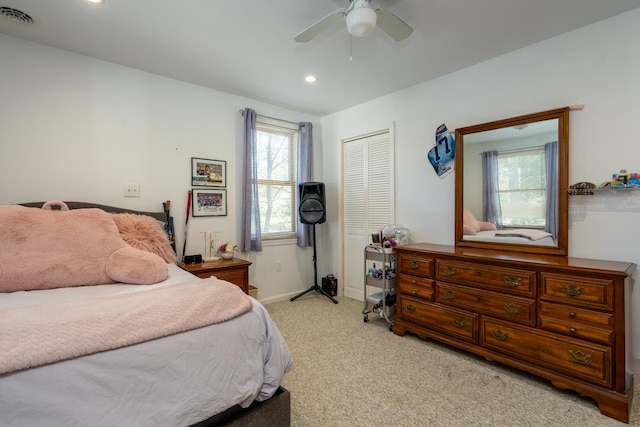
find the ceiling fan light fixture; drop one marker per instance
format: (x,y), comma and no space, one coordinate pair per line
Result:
(361,21)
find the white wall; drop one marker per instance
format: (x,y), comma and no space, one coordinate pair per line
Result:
(76,128)
(596,66)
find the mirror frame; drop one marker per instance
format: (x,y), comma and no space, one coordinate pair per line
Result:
(561,249)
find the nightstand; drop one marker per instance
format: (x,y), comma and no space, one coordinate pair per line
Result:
(233,270)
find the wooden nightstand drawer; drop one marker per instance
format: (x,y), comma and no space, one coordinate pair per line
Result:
(510,280)
(579,291)
(233,270)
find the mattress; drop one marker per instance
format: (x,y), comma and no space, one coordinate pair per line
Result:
(490,236)
(173,381)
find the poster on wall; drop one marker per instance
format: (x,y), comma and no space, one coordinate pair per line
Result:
(209,202)
(442,155)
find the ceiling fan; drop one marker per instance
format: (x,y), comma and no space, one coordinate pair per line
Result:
(361,19)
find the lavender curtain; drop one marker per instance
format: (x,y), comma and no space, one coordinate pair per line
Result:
(305,174)
(551,165)
(491,209)
(251,239)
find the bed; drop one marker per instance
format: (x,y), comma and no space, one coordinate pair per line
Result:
(215,374)
(518,236)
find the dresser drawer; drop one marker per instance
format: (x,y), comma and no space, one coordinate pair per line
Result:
(415,264)
(521,282)
(578,359)
(577,322)
(448,320)
(416,286)
(579,291)
(507,307)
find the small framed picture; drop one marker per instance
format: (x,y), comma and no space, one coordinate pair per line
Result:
(208,173)
(209,202)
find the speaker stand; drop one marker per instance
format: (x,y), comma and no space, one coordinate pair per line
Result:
(315,286)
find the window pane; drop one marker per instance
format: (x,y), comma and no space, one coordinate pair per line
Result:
(276,208)
(273,156)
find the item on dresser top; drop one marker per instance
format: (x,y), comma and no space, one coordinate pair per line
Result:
(72,248)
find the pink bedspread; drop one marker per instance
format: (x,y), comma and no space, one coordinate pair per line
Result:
(40,334)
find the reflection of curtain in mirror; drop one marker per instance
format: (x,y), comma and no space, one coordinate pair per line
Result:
(551,165)
(491,209)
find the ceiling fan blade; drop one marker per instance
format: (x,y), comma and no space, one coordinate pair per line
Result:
(392,25)
(321,25)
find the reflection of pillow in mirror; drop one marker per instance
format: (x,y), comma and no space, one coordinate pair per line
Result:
(466,229)
(468,220)
(486,226)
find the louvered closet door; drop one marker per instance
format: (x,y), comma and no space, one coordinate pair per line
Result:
(368,201)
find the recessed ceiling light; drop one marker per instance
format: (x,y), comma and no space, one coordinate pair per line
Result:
(310,79)
(96,1)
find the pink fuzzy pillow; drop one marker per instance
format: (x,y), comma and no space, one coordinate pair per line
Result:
(45,249)
(144,232)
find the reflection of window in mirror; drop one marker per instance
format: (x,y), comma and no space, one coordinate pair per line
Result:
(522,187)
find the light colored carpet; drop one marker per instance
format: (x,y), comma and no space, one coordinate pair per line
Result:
(350,373)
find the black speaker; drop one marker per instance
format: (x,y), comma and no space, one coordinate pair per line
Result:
(312,205)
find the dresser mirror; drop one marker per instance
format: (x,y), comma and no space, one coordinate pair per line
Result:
(511,184)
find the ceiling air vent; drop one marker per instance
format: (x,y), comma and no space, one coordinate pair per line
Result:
(15,15)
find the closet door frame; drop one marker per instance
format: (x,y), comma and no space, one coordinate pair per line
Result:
(352,263)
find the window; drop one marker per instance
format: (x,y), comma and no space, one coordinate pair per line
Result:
(276,150)
(522,188)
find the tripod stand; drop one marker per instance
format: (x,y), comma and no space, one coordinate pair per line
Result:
(315,286)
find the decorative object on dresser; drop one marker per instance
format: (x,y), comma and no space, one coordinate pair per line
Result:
(233,270)
(561,318)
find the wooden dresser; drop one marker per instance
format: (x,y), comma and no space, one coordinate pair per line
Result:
(559,318)
(233,270)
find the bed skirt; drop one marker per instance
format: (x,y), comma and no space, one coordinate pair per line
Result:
(274,412)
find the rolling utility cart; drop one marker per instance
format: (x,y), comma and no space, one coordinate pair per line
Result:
(379,283)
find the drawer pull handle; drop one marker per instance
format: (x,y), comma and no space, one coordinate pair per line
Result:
(449,294)
(579,357)
(414,292)
(411,309)
(499,335)
(572,315)
(449,271)
(459,323)
(414,265)
(414,281)
(513,281)
(513,309)
(478,273)
(572,290)
(572,330)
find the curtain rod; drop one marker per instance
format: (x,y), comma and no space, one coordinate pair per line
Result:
(273,118)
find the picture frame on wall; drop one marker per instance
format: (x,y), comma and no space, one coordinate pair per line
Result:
(208,172)
(209,202)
